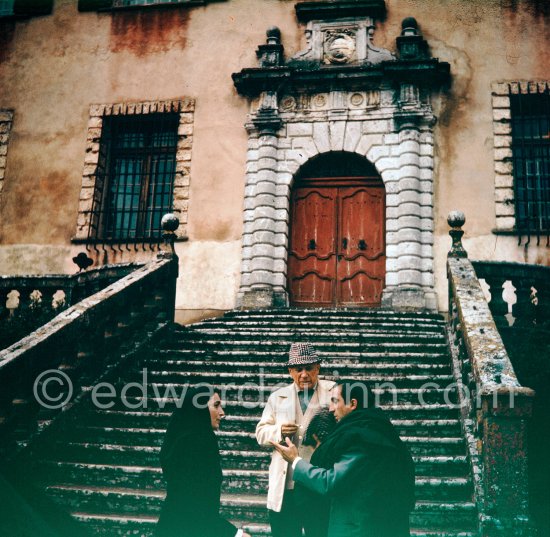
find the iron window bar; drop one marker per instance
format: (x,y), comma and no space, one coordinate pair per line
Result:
(135,177)
(530,120)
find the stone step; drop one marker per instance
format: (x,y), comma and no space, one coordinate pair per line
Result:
(159,393)
(155,412)
(64,472)
(361,369)
(344,317)
(100,451)
(121,526)
(232,426)
(336,312)
(458,518)
(303,323)
(331,346)
(397,379)
(154,437)
(144,526)
(261,355)
(108,499)
(247,423)
(276,333)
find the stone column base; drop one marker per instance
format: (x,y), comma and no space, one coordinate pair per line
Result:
(262,298)
(409,299)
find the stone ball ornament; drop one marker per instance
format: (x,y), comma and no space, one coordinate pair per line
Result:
(409,22)
(456,219)
(170,222)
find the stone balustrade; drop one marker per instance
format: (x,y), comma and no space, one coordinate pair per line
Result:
(73,287)
(28,301)
(495,406)
(82,344)
(531,284)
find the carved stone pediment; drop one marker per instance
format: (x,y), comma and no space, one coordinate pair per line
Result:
(341,42)
(340,55)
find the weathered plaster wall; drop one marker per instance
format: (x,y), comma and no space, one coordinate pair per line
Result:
(55,67)
(52,68)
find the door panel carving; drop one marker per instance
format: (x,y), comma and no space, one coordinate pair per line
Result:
(312,257)
(361,264)
(337,251)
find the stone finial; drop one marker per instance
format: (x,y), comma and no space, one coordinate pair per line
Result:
(271,54)
(456,220)
(82,261)
(273,35)
(409,26)
(410,44)
(169,223)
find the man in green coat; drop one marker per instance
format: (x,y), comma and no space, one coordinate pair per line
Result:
(364,468)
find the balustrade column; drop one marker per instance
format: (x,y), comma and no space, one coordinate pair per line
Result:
(4,311)
(524,309)
(499,307)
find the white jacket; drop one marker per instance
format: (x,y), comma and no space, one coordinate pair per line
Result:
(283,407)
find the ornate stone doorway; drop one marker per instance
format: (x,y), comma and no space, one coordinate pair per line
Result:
(340,95)
(336,253)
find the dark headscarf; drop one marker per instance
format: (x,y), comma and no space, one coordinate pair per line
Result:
(190,425)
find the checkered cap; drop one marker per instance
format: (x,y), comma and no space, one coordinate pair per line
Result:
(302,354)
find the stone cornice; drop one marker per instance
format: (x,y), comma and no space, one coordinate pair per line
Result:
(251,82)
(307,11)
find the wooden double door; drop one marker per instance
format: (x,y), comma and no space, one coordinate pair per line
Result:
(337,251)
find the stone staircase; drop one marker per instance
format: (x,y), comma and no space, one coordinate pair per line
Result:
(104,467)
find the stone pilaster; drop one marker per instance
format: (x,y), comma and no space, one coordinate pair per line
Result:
(263,279)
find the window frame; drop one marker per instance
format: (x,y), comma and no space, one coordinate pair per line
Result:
(108,5)
(505,182)
(91,194)
(6,123)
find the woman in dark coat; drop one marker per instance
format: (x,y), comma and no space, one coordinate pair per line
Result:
(191,466)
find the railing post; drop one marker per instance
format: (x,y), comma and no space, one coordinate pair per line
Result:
(504,417)
(170,223)
(500,406)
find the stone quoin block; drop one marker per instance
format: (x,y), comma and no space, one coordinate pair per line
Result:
(503,153)
(299,129)
(377,156)
(502,141)
(336,134)
(352,136)
(367,142)
(321,136)
(305,145)
(504,181)
(500,127)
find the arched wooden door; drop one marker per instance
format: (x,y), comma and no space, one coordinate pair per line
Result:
(337,250)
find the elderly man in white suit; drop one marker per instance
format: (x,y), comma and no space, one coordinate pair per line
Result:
(287,414)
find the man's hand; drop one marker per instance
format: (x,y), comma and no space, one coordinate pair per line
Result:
(246,534)
(288,429)
(289,452)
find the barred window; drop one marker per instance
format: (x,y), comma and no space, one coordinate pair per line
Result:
(6,7)
(135,176)
(530,119)
(125,3)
